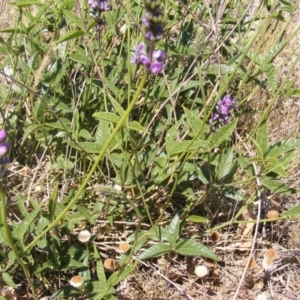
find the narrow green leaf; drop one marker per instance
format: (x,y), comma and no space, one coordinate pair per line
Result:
(23,226)
(85,134)
(85,212)
(21,205)
(281,147)
(88,147)
(118,276)
(247,167)
(195,123)
(134,125)
(191,247)
(224,132)
(99,268)
(66,292)
(39,110)
(141,239)
(107,116)
(117,106)
(70,35)
(174,230)
(293,212)
(8,280)
(225,164)
(277,186)
(74,18)
(52,203)
(24,3)
(175,147)
(271,74)
(155,250)
(158,233)
(277,168)
(198,219)
(262,136)
(272,52)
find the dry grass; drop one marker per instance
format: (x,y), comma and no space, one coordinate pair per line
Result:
(174,278)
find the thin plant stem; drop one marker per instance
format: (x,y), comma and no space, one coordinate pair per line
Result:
(96,162)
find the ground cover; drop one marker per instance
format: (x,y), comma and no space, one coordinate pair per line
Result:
(149,150)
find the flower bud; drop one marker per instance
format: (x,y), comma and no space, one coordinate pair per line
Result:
(4,147)
(3,135)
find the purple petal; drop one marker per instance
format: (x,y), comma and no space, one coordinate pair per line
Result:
(159,55)
(3,135)
(144,59)
(4,147)
(156,67)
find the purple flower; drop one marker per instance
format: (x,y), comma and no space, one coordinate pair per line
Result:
(154,61)
(101,5)
(4,147)
(225,108)
(2,135)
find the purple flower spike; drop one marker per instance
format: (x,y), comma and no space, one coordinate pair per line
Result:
(225,108)
(155,63)
(4,147)
(3,135)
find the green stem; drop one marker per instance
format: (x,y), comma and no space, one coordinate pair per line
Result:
(10,242)
(96,163)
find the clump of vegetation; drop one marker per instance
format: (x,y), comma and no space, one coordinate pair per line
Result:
(141,144)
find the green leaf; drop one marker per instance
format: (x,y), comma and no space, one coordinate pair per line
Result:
(74,18)
(277,168)
(99,268)
(85,134)
(134,125)
(277,186)
(224,132)
(66,292)
(85,212)
(191,247)
(107,116)
(262,136)
(248,168)
(8,280)
(70,35)
(30,129)
(293,212)
(270,72)
(174,230)
(281,147)
(118,276)
(39,110)
(157,233)
(88,147)
(117,106)
(52,203)
(198,219)
(23,226)
(175,147)
(24,3)
(141,239)
(155,250)
(225,164)
(272,53)
(63,124)
(195,123)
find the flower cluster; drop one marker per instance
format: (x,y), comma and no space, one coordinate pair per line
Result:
(155,62)
(4,147)
(225,108)
(153,59)
(98,6)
